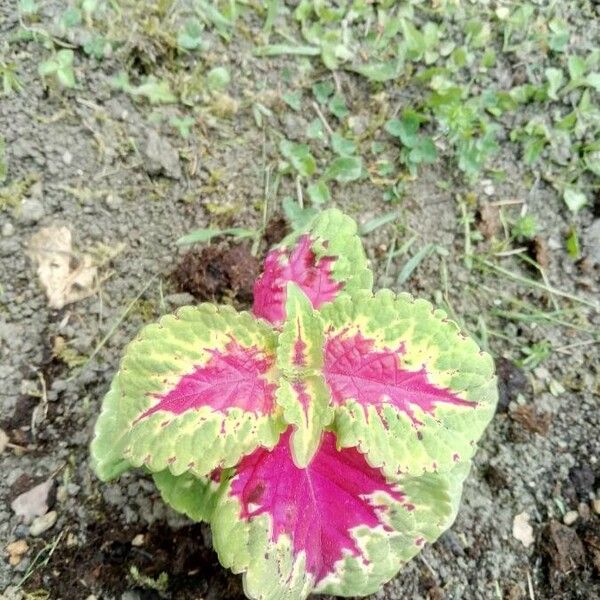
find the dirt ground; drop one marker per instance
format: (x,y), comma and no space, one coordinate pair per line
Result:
(87,160)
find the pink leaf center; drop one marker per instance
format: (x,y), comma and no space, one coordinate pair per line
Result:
(234,378)
(353,369)
(312,275)
(317,506)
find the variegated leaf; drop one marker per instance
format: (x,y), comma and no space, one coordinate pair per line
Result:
(195,392)
(337,526)
(409,389)
(322,259)
(302,394)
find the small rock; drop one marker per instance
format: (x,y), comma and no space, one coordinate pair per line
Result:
(591,242)
(8,229)
(32,210)
(35,502)
(584,511)
(113,201)
(512,381)
(43,523)
(16,550)
(582,477)
(67,157)
(522,530)
(138,540)
(161,157)
(3,440)
(596,506)
(177,300)
(570,517)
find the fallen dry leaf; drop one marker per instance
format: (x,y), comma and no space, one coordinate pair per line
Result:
(529,417)
(522,530)
(64,282)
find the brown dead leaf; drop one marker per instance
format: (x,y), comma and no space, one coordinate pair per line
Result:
(563,546)
(489,221)
(529,417)
(63,281)
(539,251)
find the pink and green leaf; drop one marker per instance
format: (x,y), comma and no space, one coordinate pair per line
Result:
(322,259)
(302,393)
(408,388)
(337,526)
(195,392)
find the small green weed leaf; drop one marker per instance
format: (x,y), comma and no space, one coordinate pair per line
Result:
(315,130)
(344,169)
(342,146)
(299,156)
(319,193)
(71,18)
(559,37)
(423,152)
(525,227)
(574,199)
(293,99)
(555,79)
(217,79)
(572,244)
(190,36)
(406,128)
(577,67)
(157,91)
(337,106)
(299,218)
(377,222)
(205,235)
(28,7)
(183,125)
(413,262)
(61,67)
(322,90)
(380,71)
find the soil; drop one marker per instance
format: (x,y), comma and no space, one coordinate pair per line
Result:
(540,455)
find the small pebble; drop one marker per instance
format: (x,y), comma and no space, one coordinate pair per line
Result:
(8,229)
(43,523)
(67,157)
(16,550)
(570,517)
(584,511)
(596,506)
(138,540)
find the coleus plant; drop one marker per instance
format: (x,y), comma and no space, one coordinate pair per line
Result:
(325,437)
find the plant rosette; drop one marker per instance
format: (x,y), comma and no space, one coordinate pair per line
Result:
(325,437)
